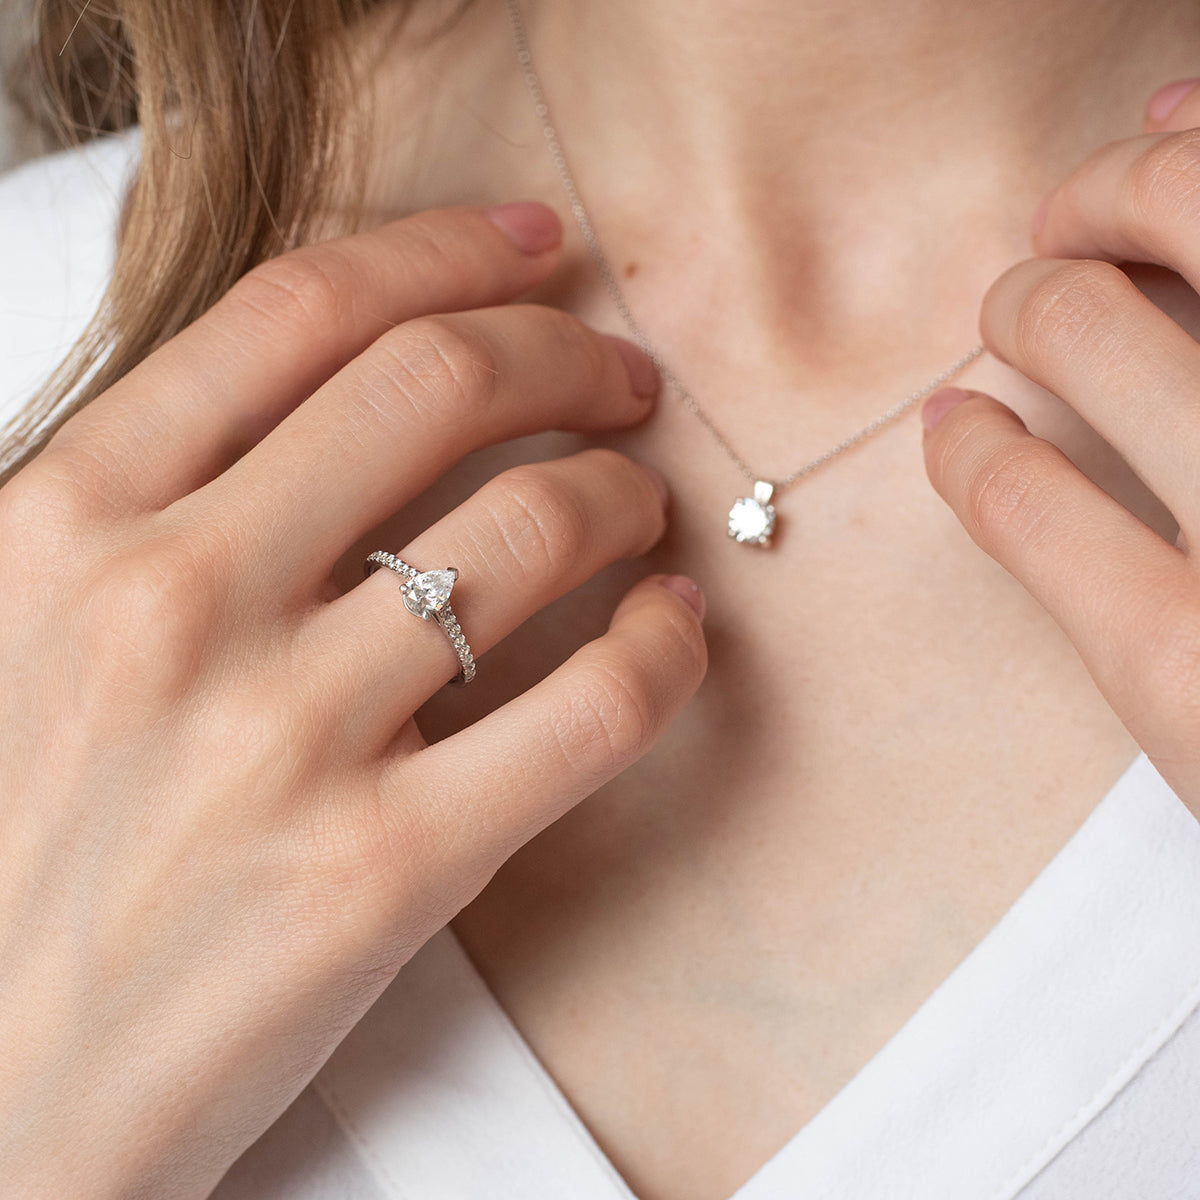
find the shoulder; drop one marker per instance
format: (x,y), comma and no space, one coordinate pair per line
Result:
(58,228)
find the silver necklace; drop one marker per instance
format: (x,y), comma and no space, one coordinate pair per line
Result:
(752,518)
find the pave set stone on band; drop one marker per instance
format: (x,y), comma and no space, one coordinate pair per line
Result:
(427,595)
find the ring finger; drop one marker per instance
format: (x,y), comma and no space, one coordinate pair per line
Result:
(525,538)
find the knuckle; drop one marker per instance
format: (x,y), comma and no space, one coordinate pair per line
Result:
(47,497)
(1071,304)
(613,718)
(46,521)
(593,362)
(624,697)
(674,653)
(1163,184)
(303,289)
(264,736)
(146,617)
(686,651)
(438,365)
(437,244)
(631,482)
(1010,494)
(540,518)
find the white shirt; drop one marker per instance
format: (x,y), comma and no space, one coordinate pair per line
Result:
(1059,1061)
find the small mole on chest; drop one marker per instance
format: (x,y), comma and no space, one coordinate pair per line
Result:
(631,269)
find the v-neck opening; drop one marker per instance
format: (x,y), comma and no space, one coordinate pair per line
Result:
(1037,999)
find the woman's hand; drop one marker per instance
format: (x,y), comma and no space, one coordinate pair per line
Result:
(1074,323)
(221,833)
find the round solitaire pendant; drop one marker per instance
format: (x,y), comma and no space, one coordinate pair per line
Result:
(752,518)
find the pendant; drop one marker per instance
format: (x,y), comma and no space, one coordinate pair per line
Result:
(752,518)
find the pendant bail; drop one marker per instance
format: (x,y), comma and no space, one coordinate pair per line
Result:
(763,491)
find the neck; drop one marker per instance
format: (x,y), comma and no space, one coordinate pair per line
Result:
(853,150)
(827,186)
(782,71)
(772,89)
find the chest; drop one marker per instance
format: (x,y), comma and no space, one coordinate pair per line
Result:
(892,741)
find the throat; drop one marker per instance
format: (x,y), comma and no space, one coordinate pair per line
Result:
(842,163)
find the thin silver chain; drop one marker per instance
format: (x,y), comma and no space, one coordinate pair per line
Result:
(537,94)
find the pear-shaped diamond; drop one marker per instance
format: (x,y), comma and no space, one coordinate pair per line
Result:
(428,593)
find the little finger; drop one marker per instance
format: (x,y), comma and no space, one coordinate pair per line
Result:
(506,777)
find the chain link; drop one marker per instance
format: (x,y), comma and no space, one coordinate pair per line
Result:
(537,94)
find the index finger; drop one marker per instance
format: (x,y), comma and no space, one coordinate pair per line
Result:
(214,390)
(1135,200)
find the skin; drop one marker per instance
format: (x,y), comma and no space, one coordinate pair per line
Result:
(215,856)
(838,817)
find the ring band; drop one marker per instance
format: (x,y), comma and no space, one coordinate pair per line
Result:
(427,594)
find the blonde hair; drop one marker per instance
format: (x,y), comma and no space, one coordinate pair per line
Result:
(244,139)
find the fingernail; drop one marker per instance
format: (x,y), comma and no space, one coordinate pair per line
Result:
(532,227)
(659,481)
(1167,99)
(1039,214)
(940,403)
(644,379)
(681,585)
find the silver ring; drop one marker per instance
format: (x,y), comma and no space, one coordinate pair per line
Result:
(427,594)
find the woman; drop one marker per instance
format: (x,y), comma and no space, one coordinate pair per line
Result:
(905,901)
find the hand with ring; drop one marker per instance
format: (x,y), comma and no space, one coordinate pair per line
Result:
(221,832)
